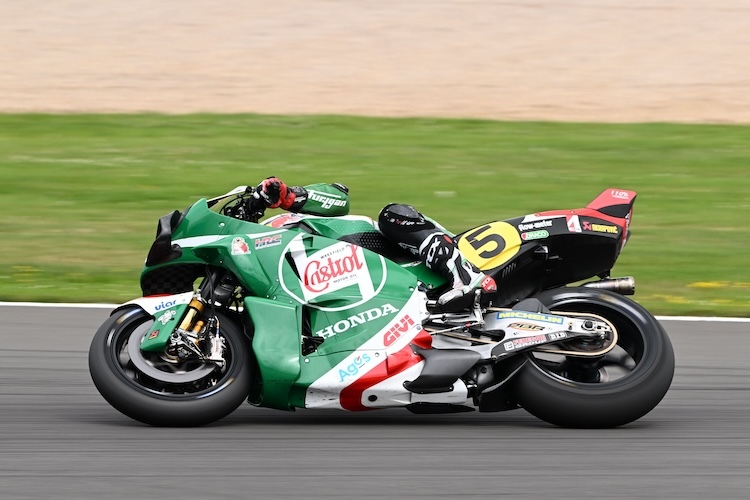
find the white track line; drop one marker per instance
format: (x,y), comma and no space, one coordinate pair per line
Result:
(59,304)
(703,318)
(112,306)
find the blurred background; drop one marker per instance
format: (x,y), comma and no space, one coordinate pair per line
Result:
(609,60)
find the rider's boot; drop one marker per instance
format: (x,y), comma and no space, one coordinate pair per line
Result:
(440,253)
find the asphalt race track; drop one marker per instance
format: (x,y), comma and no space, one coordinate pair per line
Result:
(60,439)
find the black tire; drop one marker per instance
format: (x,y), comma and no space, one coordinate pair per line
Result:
(573,393)
(143,397)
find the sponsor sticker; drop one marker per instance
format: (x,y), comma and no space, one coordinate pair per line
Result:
(530,316)
(599,228)
(329,270)
(395,332)
(529,327)
(574,224)
(535,235)
(267,241)
(354,320)
(240,246)
(166,317)
(540,224)
(524,342)
(489,285)
(326,200)
(164,305)
(334,268)
(354,367)
(622,195)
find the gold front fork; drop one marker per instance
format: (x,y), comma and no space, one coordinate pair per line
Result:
(194,308)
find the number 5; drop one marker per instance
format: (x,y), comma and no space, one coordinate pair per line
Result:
(477,243)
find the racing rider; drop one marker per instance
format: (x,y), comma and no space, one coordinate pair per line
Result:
(402,224)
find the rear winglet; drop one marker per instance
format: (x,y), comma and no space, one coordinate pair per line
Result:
(614,202)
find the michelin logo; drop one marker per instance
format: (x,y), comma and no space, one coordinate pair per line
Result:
(531,316)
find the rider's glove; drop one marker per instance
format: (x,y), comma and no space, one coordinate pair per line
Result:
(275,193)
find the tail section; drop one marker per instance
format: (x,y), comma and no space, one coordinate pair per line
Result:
(614,202)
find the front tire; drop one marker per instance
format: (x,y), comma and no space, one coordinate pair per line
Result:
(154,392)
(613,390)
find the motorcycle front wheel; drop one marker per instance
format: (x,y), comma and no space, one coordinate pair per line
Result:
(608,391)
(162,390)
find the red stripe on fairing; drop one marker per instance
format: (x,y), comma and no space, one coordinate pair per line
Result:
(393,364)
(423,340)
(607,198)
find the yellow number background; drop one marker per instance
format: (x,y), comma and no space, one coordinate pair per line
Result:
(491,245)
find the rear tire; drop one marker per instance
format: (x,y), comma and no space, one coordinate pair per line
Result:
(572,392)
(205,395)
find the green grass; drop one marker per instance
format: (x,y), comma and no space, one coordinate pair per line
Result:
(80,194)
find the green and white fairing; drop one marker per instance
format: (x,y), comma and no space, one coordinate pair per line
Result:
(318,309)
(332,322)
(353,299)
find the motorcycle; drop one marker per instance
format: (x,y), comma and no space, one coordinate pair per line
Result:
(306,311)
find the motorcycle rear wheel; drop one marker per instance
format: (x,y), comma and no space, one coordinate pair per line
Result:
(157,390)
(612,390)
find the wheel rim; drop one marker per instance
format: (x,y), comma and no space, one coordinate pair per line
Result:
(617,365)
(158,367)
(155,373)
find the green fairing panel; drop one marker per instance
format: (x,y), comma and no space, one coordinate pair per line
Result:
(338,291)
(428,277)
(325,199)
(276,337)
(283,378)
(257,269)
(335,227)
(207,237)
(345,293)
(346,330)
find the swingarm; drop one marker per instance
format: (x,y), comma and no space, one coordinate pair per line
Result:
(510,331)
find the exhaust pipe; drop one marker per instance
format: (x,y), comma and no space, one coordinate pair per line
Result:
(623,286)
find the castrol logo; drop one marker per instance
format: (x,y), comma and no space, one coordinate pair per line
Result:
(320,273)
(318,276)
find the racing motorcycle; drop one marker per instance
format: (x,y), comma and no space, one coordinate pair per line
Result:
(306,311)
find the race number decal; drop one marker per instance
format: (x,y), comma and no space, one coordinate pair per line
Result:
(491,245)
